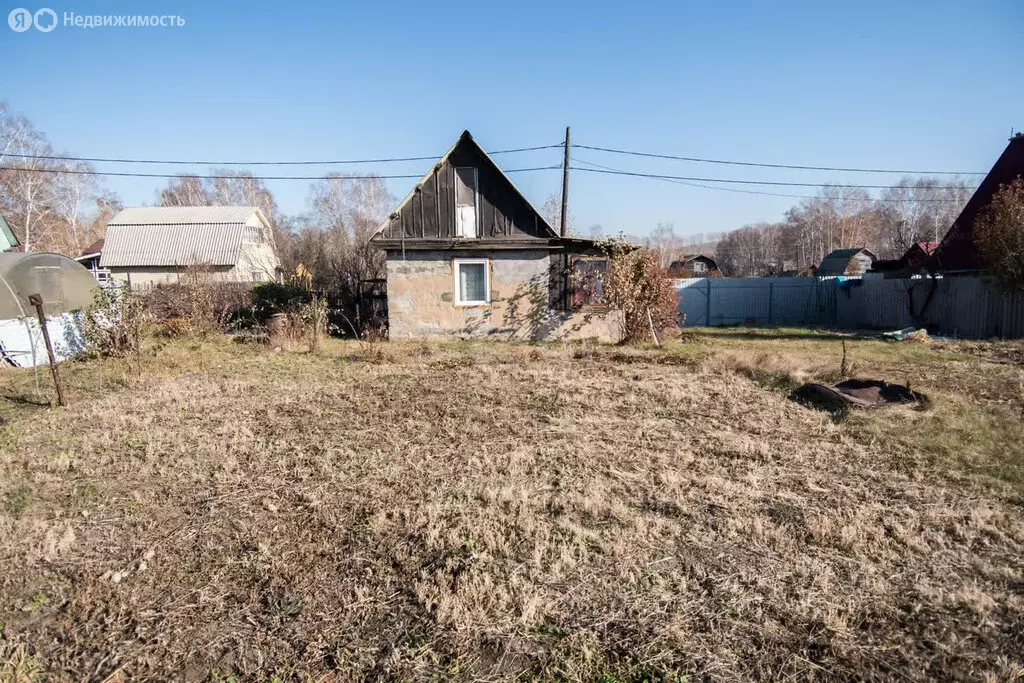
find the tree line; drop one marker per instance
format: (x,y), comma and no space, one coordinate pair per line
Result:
(914,210)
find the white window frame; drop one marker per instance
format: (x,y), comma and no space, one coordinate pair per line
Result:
(457,265)
(476,200)
(251,235)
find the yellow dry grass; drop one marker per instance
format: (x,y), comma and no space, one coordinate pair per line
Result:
(490,512)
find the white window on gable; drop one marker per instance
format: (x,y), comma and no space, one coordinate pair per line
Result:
(699,267)
(472,281)
(466,202)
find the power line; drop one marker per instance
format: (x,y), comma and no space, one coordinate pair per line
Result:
(126,174)
(709,187)
(383,160)
(259,163)
(763,165)
(682,180)
(757,192)
(776,183)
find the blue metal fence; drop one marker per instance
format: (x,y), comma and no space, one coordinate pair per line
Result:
(973,307)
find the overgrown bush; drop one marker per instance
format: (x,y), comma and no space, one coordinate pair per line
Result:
(198,304)
(303,325)
(112,326)
(639,286)
(311,321)
(999,234)
(269,298)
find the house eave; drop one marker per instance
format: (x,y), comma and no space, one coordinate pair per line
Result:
(482,244)
(464,245)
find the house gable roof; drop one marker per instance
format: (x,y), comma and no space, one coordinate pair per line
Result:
(838,260)
(177,235)
(464,142)
(957,251)
(93,250)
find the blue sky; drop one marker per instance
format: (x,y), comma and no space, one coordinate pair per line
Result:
(933,85)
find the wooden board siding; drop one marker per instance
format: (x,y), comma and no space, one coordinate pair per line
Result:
(430,212)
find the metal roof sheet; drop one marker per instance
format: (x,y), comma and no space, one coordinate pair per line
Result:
(169,215)
(216,244)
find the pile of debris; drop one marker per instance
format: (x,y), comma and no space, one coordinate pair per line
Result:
(856,393)
(908,334)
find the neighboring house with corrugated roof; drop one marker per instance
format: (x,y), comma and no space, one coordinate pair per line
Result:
(151,245)
(849,262)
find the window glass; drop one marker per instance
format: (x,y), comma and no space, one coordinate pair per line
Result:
(587,280)
(465,186)
(472,282)
(251,236)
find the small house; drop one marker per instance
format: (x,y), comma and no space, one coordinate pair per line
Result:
(153,245)
(90,258)
(694,265)
(468,256)
(910,263)
(849,262)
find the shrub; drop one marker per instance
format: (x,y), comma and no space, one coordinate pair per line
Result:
(639,286)
(999,234)
(269,298)
(112,326)
(198,304)
(311,321)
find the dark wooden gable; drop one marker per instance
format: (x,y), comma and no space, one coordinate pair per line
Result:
(428,214)
(957,251)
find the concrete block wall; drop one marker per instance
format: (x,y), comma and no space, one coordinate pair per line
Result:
(421,300)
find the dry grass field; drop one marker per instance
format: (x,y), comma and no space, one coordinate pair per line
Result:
(474,511)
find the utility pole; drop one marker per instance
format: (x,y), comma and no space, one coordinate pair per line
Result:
(565,187)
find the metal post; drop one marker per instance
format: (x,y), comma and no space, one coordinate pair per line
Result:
(565,187)
(37,301)
(771,286)
(707,303)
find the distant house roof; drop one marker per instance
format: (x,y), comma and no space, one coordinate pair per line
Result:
(92,250)
(837,262)
(957,251)
(7,238)
(928,247)
(683,267)
(177,235)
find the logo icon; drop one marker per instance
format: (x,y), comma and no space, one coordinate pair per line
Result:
(20,19)
(45,20)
